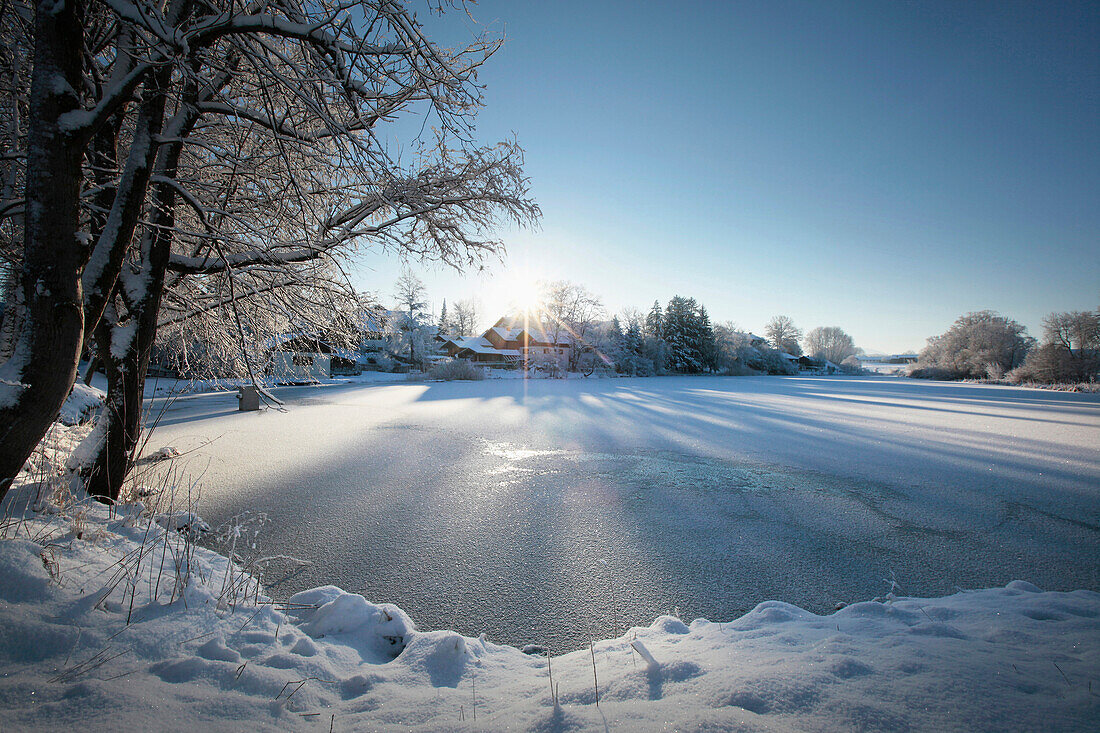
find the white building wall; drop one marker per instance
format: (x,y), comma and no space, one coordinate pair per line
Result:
(300,365)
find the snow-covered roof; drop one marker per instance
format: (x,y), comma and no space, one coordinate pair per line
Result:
(508,334)
(512,328)
(344,353)
(470,342)
(539,333)
(476,344)
(281,338)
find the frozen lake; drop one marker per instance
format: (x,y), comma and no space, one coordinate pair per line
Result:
(554,511)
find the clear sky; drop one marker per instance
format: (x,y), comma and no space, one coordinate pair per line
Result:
(883,167)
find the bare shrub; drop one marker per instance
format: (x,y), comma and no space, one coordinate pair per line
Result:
(455,369)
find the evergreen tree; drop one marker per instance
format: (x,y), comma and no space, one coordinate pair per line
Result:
(615,348)
(444,323)
(680,332)
(654,322)
(708,345)
(633,341)
(616,333)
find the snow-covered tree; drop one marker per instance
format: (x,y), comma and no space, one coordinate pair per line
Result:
(1070,351)
(733,350)
(627,350)
(410,333)
(571,310)
(973,344)
(409,337)
(444,321)
(204,155)
(681,332)
(1075,331)
(409,293)
(829,342)
(654,321)
(784,335)
(466,317)
(708,347)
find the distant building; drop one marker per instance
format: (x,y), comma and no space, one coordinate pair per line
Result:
(307,357)
(372,327)
(510,342)
(809,365)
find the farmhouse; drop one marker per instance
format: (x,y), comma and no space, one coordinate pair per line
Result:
(510,342)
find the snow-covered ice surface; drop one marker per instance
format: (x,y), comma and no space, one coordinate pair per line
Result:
(98,629)
(554,512)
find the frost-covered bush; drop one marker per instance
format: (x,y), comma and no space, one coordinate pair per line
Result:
(376,361)
(770,361)
(455,369)
(635,365)
(851,365)
(737,369)
(549,365)
(591,363)
(918,371)
(974,344)
(734,351)
(1055,364)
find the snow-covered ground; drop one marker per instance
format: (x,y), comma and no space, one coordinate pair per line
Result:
(97,629)
(558,511)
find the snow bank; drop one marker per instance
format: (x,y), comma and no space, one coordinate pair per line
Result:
(81,404)
(109,620)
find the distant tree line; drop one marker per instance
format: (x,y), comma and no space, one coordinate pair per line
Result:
(680,338)
(677,338)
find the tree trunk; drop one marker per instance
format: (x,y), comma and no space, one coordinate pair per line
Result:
(126,357)
(37,378)
(122,413)
(93,366)
(14,310)
(127,362)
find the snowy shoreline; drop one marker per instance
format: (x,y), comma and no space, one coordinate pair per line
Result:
(108,620)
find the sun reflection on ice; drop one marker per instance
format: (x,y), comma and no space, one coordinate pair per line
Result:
(510,452)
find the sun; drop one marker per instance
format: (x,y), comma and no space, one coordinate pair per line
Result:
(526,295)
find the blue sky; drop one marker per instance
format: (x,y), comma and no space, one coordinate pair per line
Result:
(882,167)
